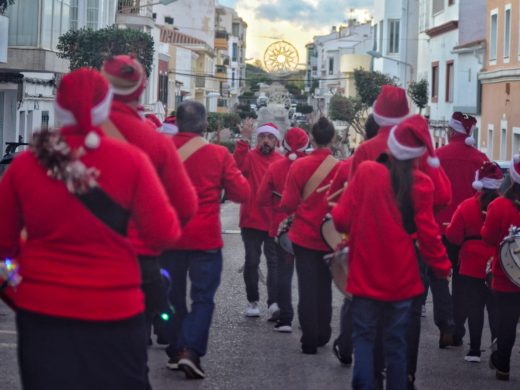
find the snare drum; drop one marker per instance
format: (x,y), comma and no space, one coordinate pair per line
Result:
(282,237)
(338,266)
(329,234)
(510,255)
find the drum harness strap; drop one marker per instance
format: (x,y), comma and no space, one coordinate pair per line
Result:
(190,147)
(318,176)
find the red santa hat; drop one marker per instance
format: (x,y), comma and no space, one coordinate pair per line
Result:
(411,139)
(295,142)
(85,110)
(268,128)
(126,75)
(169,125)
(391,106)
(514,169)
(489,176)
(463,124)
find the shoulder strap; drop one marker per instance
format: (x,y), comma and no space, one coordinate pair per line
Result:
(319,174)
(112,131)
(190,147)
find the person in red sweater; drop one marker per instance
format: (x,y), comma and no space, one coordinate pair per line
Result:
(306,199)
(80,298)
(294,144)
(128,80)
(254,219)
(385,206)
(198,253)
(464,231)
(459,159)
(503,213)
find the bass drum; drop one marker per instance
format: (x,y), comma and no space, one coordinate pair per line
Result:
(329,234)
(510,255)
(337,260)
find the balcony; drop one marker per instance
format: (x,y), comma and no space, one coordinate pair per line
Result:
(135,13)
(200,82)
(220,71)
(221,40)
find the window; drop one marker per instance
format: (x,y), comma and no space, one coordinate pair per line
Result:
(74,15)
(507,32)
(515,145)
(393,36)
(437,6)
(490,142)
(222,102)
(381,30)
(235,29)
(234,52)
(451,2)
(449,81)
(233,78)
(92,14)
(168,20)
(503,142)
(331,65)
(375,37)
(45,119)
(163,88)
(435,81)
(493,36)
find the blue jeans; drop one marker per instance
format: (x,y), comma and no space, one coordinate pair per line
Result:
(394,316)
(191,329)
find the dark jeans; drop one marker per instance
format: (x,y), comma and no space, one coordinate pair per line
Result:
(460,310)
(508,309)
(285,274)
(62,354)
(478,296)
(253,240)
(190,329)
(315,291)
(442,303)
(367,314)
(344,340)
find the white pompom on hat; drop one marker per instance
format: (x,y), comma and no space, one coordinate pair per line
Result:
(463,124)
(295,142)
(268,128)
(85,110)
(489,176)
(391,106)
(411,139)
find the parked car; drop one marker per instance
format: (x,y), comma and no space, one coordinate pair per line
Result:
(10,153)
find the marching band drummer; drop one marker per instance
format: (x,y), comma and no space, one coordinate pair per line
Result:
(384,204)
(304,195)
(502,213)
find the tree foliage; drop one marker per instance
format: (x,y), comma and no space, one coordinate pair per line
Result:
(87,47)
(218,121)
(369,83)
(418,92)
(304,108)
(4,4)
(256,75)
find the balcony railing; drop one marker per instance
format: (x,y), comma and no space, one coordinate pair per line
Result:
(222,34)
(220,69)
(134,7)
(200,82)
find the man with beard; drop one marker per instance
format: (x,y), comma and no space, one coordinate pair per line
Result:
(255,219)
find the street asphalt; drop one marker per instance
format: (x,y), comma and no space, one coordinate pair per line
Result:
(245,353)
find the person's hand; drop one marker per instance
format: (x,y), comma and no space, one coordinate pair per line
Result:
(247,128)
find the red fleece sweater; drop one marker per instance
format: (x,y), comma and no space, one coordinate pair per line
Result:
(211,170)
(464,230)
(164,157)
(253,165)
(308,213)
(501,214)
(460,162)
(72,264)
(382,259)
(274,180)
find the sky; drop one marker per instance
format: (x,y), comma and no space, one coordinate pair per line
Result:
(295,21)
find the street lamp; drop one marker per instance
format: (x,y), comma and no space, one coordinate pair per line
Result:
(377,54)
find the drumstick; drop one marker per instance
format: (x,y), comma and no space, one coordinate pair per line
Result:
(332,204)
(324,188)
(275,193)
(335,194)
(445,223)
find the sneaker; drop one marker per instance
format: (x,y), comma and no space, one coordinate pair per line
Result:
(423,311)
(473,357)
(173,363)
(273,312)
(189,362)
(282,328)
(308,350)
(252,310)
(500,375)
(347,360)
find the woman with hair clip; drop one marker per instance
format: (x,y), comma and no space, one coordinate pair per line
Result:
(385,203)
(464,231)
(503,213)
(79,305)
